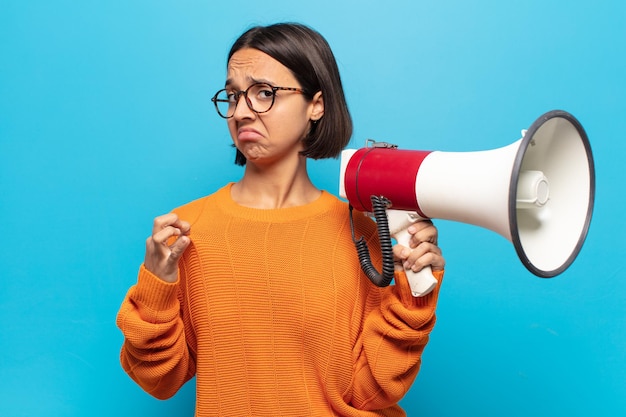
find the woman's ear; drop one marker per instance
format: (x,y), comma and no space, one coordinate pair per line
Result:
(317,107)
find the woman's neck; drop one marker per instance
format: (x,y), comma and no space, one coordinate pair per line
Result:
(275,186)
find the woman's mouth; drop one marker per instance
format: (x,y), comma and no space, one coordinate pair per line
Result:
(247,134)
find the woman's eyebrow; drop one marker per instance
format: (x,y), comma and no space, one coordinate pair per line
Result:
(230,82)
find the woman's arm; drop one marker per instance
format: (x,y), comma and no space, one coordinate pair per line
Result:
(155,353)
(396,331)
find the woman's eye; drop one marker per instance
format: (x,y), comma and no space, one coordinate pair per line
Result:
(265,94)
(262,91)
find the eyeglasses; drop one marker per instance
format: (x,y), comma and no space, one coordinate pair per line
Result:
(259,98)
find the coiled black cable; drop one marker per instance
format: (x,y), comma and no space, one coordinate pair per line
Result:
(379,207)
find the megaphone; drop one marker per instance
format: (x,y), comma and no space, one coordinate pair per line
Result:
(537,192)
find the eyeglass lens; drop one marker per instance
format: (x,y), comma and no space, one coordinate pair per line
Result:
(259,98)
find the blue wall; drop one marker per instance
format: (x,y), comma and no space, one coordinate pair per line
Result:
(105,122)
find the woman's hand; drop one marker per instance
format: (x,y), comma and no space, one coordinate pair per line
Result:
(423,250)
(170,238)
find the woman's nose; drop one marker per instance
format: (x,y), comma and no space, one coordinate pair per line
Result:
(243,110)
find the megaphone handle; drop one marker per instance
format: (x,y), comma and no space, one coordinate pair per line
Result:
(422,282)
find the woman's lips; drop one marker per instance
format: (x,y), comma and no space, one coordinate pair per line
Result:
(246,134)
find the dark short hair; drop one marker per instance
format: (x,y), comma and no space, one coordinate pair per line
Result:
(308,56)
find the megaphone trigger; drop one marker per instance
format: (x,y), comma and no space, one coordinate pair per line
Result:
(421,282)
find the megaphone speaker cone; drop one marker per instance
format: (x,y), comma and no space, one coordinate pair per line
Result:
(548,237)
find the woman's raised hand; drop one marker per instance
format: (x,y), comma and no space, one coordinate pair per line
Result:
(170,238)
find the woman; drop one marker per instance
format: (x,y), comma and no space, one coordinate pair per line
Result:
(257,289)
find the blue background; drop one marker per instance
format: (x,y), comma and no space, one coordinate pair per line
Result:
(105,122)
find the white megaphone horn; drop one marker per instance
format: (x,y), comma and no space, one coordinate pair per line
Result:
(537,192)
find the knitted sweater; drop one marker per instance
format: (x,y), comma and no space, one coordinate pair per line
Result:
(274,317)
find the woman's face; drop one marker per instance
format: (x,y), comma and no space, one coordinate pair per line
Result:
(277,134)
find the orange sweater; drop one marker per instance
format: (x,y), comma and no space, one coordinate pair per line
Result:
(274,317)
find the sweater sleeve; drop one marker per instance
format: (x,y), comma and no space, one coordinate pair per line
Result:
(389,351)
(155,352)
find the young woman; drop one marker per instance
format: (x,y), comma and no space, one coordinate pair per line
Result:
(256,290)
